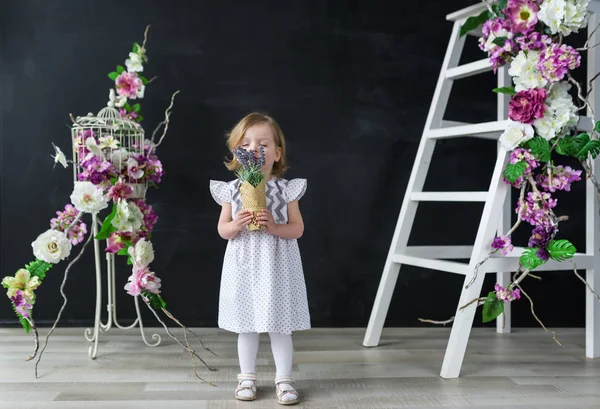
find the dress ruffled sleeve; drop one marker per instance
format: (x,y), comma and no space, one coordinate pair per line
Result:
(220,191)
(295,189)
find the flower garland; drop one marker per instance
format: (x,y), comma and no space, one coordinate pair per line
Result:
(104,170)
(527,35)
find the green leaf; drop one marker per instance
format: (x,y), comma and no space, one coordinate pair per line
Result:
(114,180)
(136,47)
(475,21)
(529,259)
(123,252)
(492,307)
(107,228)
(144,79)
(502,4)
(499,41)
(563,147)
(513,171)
(505,90)
(561,249)
(128,107)
(38,268)
(113,75)
(120,69)
(581,145)
(140,118)
(22,320)
(597,126)
(155,300)
(136,107)
(540,148)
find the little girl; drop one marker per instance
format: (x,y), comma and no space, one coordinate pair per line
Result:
(262,283)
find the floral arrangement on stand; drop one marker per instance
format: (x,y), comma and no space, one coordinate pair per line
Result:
(528,36)
(253,183)
(109,166)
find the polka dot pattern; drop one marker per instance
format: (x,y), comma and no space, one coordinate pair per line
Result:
(262,282)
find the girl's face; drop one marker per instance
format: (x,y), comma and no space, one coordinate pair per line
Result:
(262,135)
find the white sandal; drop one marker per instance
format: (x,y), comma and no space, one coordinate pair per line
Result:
(246,377)
(282,392)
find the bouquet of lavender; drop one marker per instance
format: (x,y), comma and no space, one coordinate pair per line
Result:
(252,178)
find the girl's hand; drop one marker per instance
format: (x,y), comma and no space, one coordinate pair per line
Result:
(266,219)
(242,219)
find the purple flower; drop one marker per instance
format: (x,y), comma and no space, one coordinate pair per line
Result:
(533,41)
(491,30)
(128,115)
(522,155)
(505,295)
(540,237)
(150,218)
(561,179)
(528,105)
(522,15)
(65,219)
(96,170)
(536,210)
(503,243)
(556,60)
(22,304)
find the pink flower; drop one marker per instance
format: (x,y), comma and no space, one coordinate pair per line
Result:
(505,295)
(556,60)
(22,303)
(561,178)
(117,241)
(503,243)
(120,190)
(528,105)
(522,15)
(142,279)
(128,115)
(129,85)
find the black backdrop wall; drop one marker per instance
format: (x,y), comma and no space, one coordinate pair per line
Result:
(350,83)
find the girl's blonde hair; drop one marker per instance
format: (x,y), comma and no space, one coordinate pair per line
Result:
(235,136)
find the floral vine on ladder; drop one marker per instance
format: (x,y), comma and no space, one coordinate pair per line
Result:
(528,37)
(112,161)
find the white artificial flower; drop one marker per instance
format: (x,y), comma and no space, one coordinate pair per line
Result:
(524,71)
(88,198)
(133,169)
(560,113)
(128,217)
(108,141)
(564,16)
(51,246)
(142,254)
(59,157)
(118,157)
(515,134)
(134,63)
(93,147)
(140,93)
(489,44)
(115,100)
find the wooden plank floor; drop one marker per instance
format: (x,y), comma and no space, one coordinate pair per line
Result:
(522,370)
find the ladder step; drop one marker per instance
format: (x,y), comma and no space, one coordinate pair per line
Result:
(470,129)
(468,70)
(440,265)
(449,196)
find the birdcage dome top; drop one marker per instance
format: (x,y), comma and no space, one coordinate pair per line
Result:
(107,117)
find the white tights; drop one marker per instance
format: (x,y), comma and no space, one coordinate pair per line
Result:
(281,346)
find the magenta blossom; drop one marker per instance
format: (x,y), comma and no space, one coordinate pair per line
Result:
(117,241)
(66,219)
(491,30)
(504,295)
(503,243)
(128,115)
(561,179)
(537,206)
(22,304)
(522,15)
(150,218)
(120,190)
(533,41)
(528,105)
(129,84)
(556,60)
(522,155)
(540,237)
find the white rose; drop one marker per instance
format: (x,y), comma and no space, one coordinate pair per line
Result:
(142,253)
(51,246)
(134,63)
(88,198)
(128,217)
(515,134)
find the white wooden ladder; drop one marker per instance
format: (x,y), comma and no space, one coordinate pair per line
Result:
(495,216)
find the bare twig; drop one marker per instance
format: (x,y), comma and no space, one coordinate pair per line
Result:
(585,281)
(168,314)
(448,321)
(536,317)
(145,37)
(586,103)
(165,122)
(472,301)
(62,287)
(36,338)
(589,38)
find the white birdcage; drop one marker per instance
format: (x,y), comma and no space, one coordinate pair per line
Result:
(128,135)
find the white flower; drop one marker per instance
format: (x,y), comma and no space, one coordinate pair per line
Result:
(93,147)
(108,141)
(564,16)
(133,170)
(489,44)
(59,157)
(515,134)
(142,254)
(524,71)
(134,63)
(118,158)
(114,100)
(51,246)
(88,198)
(128,217)
(560,113)
(140,93)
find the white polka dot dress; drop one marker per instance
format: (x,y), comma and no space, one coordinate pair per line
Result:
(262,283)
